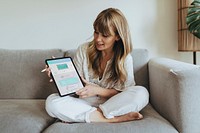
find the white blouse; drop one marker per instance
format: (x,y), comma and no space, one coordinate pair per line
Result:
(81,62)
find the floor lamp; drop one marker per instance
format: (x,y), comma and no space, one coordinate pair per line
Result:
(186,40)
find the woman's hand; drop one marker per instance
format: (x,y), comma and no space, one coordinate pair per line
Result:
(48,71)
(89,90)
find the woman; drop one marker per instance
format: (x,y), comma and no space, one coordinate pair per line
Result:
(106,67)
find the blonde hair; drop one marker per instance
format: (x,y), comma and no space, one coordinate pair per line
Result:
(107,20)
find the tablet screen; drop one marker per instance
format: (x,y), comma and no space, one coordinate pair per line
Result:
(65,75)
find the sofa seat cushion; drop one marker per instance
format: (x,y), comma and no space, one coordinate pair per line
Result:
(151,123)
(23,116)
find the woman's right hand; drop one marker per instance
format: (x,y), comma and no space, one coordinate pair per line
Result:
(48,72)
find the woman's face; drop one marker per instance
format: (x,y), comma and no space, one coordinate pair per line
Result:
(105,42)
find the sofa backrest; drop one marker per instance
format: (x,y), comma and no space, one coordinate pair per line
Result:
(20,73)
(140,66)
(21,77)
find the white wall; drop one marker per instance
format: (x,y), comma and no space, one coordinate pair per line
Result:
(46,24)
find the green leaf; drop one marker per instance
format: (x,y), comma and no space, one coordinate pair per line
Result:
(193,18)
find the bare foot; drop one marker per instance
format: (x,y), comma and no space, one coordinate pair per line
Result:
(129,117)
(97,116)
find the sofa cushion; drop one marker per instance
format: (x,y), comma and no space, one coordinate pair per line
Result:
(151,123)
(21,75)
(23,116)
(140,67)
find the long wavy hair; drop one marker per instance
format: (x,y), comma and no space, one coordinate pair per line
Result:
(107,20)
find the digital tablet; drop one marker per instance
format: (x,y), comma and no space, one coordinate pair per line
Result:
(65,75)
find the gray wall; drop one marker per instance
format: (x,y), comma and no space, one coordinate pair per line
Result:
(45,24)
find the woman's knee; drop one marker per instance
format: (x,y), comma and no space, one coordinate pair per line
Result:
(139,91)
(140,95)
(133,99)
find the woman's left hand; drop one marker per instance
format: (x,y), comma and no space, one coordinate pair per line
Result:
(89,90)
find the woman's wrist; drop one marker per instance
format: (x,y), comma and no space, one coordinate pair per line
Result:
(103,92)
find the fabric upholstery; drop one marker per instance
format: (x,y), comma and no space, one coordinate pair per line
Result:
(152,123)
(23,116)
(21,75)
(140,66)
(175,90)
(173,87)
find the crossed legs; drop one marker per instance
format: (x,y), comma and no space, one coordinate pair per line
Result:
(122,107)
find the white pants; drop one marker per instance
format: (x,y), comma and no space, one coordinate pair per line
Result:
(72,109)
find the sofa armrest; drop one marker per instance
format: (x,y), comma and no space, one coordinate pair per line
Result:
(175,92)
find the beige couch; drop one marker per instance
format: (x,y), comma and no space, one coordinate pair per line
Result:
(174,96)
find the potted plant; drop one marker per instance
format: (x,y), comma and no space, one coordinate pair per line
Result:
(193,21)
(193,18)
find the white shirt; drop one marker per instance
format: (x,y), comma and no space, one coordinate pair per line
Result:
(81,62)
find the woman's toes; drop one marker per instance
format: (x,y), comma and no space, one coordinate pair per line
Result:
(135,115)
